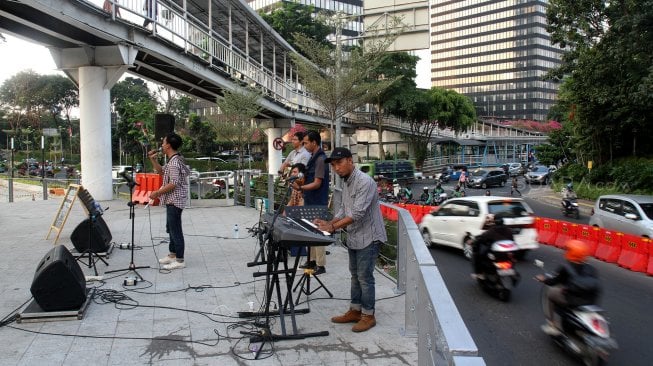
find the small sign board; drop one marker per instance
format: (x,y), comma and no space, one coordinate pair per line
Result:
(64,209)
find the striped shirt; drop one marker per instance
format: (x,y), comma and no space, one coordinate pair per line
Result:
(360,201)
(176,171)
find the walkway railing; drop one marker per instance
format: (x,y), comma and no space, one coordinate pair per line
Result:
(171,22)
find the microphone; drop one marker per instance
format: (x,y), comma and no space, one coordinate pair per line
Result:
(295,177)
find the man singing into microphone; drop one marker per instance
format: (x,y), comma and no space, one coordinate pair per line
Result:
(297,173)
(173,194)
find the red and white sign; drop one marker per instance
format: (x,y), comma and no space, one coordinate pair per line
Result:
(278,143)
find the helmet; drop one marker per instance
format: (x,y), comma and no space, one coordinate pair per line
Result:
(570,186)
(438,185)
(426,188)
(577,251)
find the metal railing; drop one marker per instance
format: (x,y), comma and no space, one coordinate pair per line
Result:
(172,23)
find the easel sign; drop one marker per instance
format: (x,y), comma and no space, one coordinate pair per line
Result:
(64,209)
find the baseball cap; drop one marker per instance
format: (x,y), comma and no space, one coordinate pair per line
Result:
(337,154)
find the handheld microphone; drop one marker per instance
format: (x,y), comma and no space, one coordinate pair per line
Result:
(295,177)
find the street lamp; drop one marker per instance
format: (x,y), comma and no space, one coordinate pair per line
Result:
(42,157)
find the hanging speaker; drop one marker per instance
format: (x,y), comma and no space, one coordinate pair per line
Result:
(91,235)
(163,124)
(59,283)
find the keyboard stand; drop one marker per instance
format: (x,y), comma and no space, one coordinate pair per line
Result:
(308,213)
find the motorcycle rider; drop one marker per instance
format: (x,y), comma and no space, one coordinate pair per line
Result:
(425,197)
(563,290)
(438,190)
(495,231)
(568,195)
(457,192)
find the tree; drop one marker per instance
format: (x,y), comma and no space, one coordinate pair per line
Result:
(135,106)
(435,108)
(341,82)
(202,134)
(401,67)
(607,70)
(234,123)
(294,18)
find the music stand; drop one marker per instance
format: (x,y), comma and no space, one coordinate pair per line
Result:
(309,213)
(132,216)
(93,212)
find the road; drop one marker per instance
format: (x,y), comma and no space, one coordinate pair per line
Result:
(509,333)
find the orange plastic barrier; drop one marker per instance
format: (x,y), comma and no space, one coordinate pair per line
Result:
(634,253)
(548,231)
(589,235)
(147,182)
(649,268)
(609,246)
(566,232)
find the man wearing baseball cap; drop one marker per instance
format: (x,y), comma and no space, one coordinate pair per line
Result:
(359,212)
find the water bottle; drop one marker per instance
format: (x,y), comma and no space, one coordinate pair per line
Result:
(98,208)
(236,231)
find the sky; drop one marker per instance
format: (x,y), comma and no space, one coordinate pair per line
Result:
(17,55)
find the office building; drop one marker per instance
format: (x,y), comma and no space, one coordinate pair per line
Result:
(496,53)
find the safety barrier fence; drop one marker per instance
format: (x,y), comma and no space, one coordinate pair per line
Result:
(626,250)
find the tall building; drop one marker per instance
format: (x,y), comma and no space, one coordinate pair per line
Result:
(352,29)
(495,52)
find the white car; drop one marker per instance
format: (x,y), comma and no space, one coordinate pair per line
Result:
(460,219)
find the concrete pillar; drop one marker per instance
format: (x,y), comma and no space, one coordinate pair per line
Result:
(95,132)
(274,156)
(95,70)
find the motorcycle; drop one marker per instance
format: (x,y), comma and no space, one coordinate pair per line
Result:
(585,332)
(440,198)
(570,208)
(498,269)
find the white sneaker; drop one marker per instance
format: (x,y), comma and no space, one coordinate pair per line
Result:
(175,265)
(167,260)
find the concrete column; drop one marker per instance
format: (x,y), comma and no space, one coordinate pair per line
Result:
(95,132)
(274,156)
(95,70)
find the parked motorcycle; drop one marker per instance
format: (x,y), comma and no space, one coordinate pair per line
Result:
(570,208)
(585,332)
(499,275)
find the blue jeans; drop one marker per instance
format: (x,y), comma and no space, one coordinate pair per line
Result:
(173,227)
(361,267)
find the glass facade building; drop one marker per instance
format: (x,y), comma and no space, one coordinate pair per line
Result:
(352,29)
(495,52)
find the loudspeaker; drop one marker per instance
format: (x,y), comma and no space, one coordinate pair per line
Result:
(100,236)
(59,283)
(163,124)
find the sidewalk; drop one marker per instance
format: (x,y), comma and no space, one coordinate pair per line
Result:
(197,306)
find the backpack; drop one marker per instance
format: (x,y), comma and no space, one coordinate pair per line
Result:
(583,285)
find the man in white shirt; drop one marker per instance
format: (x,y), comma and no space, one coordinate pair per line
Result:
(298,155)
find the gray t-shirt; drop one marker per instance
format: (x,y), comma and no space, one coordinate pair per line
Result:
(298,156)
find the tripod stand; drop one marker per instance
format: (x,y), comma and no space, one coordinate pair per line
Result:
(132,216)
(309,213)
(92,256)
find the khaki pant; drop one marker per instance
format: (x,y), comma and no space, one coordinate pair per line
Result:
(318,254)
(556,297)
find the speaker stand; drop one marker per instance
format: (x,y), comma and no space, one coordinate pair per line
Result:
(132,216)
(92,257)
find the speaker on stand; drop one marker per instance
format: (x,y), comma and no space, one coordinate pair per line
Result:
(164,123)
(91,235)
(59,283)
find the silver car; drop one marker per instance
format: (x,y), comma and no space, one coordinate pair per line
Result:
(539,174)
(627,213)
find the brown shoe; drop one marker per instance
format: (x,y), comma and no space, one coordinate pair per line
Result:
(351,316)
(366,322)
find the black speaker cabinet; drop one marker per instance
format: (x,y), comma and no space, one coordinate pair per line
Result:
(99,239)
(59,283)
(163,124)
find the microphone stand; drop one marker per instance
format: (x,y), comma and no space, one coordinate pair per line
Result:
(132,216)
